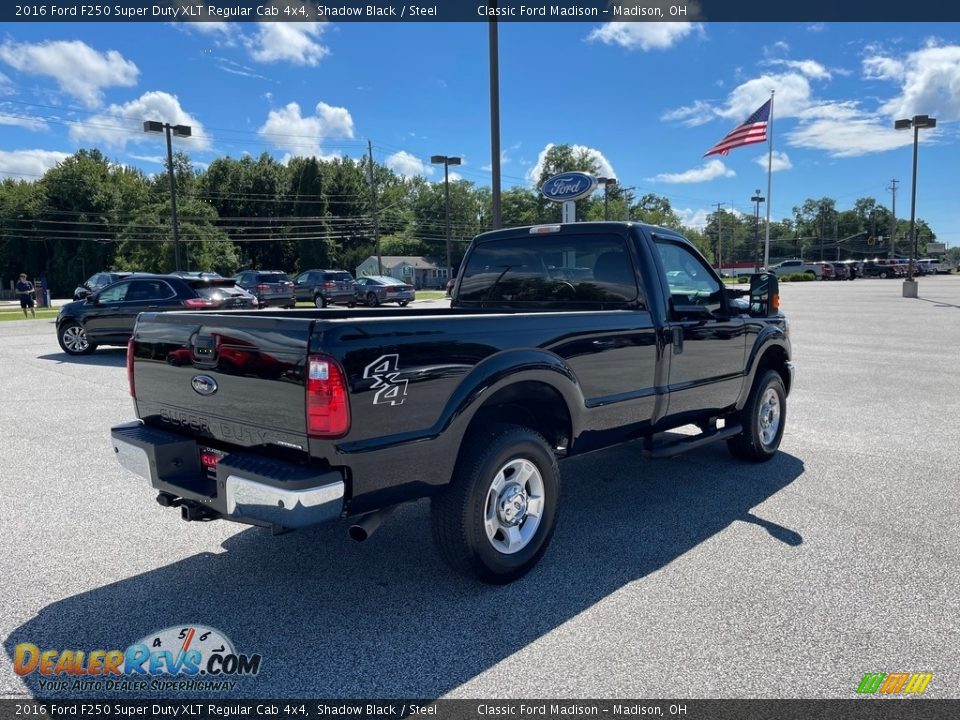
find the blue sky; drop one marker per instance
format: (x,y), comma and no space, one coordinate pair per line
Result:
(648,98)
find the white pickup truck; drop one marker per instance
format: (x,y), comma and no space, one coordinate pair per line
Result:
(789,267)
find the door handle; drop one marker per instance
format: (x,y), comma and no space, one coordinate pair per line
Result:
(603,344)
(677,340)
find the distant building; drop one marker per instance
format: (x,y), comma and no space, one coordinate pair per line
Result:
(418,271)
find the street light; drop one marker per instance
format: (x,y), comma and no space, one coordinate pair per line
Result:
(756,226)
(606,182)
(152,126)
(447,162)
(916,122)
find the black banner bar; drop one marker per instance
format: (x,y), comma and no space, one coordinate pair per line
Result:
(480,11)
(872,708)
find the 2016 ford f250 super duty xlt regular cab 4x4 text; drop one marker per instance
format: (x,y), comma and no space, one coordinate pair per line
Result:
(559,340)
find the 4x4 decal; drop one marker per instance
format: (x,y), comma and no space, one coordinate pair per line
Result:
(384,372)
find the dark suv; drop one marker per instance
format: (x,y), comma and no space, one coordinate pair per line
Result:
(98,282)
(107,317)
(271,287)
(326,287)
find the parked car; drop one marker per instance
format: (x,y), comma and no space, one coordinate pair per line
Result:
(855,268)
(826,271)
(270,287)
(96,282)
(377,289)
(107,317)
(883,268)
(789,267)
(841,271)
(326,287)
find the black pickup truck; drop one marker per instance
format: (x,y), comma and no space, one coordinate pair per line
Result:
(559,340)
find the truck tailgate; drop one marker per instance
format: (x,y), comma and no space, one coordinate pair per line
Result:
(234,378)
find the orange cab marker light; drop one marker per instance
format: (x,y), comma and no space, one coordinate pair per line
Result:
(775,303)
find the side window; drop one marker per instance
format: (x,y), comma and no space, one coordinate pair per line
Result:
(146,290)
(114,293)
(302,278)
(688,278)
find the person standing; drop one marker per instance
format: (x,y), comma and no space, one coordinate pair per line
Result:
(26,291)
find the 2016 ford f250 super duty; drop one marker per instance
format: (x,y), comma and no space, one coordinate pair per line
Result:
(559,340)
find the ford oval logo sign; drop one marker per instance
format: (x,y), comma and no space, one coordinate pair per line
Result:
(568,186)
(203,385)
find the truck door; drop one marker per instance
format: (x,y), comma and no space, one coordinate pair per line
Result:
(707,341)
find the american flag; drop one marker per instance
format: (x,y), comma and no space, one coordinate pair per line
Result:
(754,130)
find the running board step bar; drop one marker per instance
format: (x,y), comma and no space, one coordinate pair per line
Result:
(691,442)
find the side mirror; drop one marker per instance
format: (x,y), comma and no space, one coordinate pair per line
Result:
(764,295)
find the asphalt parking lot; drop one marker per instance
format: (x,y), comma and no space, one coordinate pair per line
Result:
(697,577)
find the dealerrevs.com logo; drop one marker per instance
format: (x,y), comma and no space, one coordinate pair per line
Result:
(178,658)
(894,683)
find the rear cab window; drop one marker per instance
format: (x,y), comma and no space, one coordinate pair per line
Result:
(589,271)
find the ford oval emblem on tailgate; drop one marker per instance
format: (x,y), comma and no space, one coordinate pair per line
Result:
(203,384)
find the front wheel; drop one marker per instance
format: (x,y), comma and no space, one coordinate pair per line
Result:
(74,341)
(763,420)
(495,519)
(403,303)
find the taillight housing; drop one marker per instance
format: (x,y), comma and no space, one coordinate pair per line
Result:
(200,303)
(392,288)
(262,288)
(329,284)
(328,404)
(130,381)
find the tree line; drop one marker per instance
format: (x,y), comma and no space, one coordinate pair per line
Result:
(89,214)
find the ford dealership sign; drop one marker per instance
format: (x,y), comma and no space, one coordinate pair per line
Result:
(568,186)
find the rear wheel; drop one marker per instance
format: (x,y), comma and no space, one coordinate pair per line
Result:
(763,420)
(372,300)
(320,301)
(73,339)
(403,303)
(495,519)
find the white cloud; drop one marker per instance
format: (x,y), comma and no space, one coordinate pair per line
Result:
(694,218)
(809,68)
(153,159)
(118,125)
(235,68)
(28,164)
(297,43)
(880,67)
(80,70)
(793,95)
(780,161)
(710,170)
(816,27)
(699,113)
(407,165)
(289,130)
(643,35)
(850,138)
(931,85)
(604,168)
(25,121)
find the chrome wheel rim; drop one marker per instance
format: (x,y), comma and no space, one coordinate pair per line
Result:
(768,416)
(318,302)
(514,506)
(75,339)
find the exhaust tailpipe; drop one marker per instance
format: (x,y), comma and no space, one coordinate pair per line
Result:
(363,528)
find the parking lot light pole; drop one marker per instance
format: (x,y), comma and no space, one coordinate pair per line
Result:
(757,199)
(152,126)
(916,122)
(446,161)
(606,182)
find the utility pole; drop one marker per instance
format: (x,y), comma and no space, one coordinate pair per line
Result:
(719,239)
(373,201)
(893,219)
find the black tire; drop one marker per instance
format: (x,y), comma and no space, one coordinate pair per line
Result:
(351,304)
(883,274)
(372,300)
(467,522)
(73,339)
(319,301)
(403,303)
(757,443)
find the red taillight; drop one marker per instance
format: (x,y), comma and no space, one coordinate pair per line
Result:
(329,284)
(328,408)
(392,288)
(200,303)
(130,380)
(262,288)
(209,460)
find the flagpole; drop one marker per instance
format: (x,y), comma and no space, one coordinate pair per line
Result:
(766,248)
